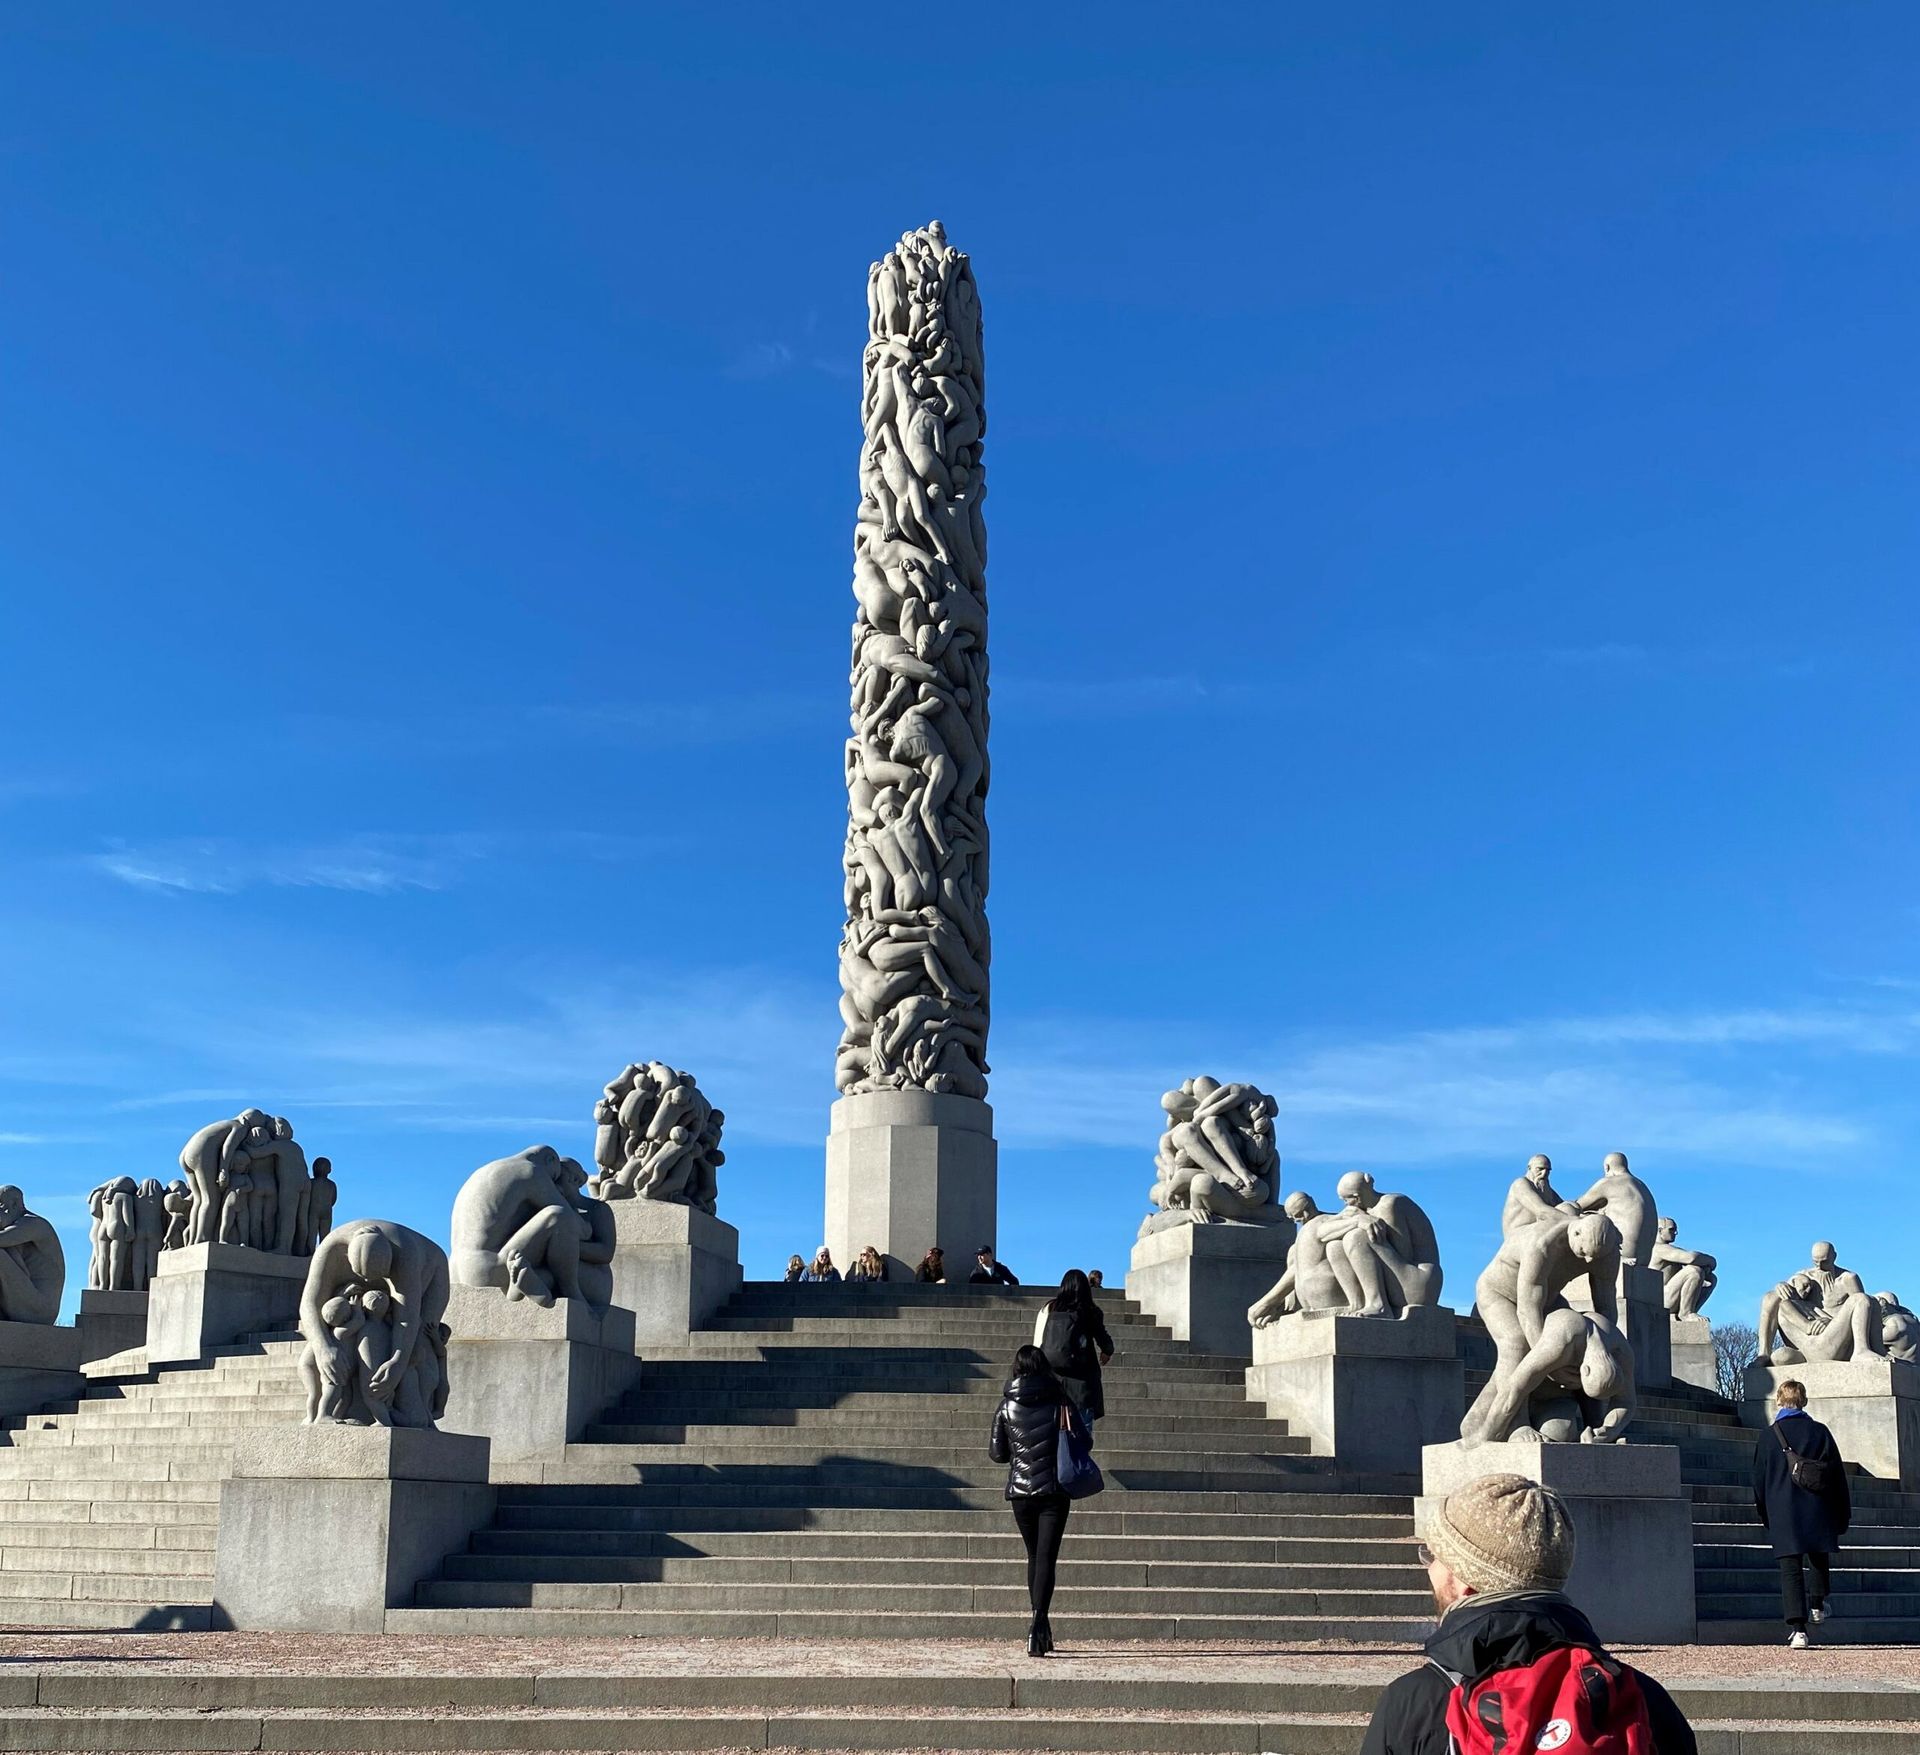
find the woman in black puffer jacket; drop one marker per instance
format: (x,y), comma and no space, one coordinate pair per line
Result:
(1026,1437)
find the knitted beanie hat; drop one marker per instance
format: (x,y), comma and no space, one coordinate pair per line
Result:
(1504,1532)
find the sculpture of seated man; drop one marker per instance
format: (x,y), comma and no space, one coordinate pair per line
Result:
(524,1223)
(1216,1160)
(1628,1202)
(1820,1315)
(1689,1276)
(1312,1281)
(1522,1286)
(33,1267)
(1391,1248)
(1580,1367)
(1531,1199)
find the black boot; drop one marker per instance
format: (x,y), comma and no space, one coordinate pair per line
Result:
(1036,1645)
(1046,1637)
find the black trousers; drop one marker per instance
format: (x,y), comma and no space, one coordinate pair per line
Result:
(1043,1523)
(1793,1585)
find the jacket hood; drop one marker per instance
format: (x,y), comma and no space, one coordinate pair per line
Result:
(1032,1390)
(1503,1630)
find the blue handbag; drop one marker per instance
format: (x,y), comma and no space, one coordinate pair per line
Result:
(1073,1465)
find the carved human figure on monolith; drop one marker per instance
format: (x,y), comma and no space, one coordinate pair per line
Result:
(1820,1315)
(1216,1160)
(525,1223)
(111,1235)
(1312,1280)
(1531,1198)
(1629,1203)
(33,1267)
(372,1313)
(657,1137)
(1521,1287)
(178,1203)
(316,1206)
(1688,1275)
(915,951)
(1574,1383)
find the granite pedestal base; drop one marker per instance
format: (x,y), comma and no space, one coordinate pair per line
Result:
(1643,1320)
(1372,1391)
(529,1378)
(1632,1519)
(1690,1345)
(39,1365)
(1871,1406)
(907,1170)
(210,1294)
(673,1267)
(111,1322)
(325,1528)
(1200,1279)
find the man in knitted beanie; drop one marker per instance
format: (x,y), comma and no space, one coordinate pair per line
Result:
(1498,1553)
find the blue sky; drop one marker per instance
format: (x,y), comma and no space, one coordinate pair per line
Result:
(1453,532)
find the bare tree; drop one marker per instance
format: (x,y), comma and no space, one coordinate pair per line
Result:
(1736,1345)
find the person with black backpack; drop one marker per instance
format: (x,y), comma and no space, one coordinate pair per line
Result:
(1513,1665)
(1073,1335)
(1800,1492)
(1033,1413)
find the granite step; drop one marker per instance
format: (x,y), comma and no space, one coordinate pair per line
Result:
(1090,1522)
(808,1548)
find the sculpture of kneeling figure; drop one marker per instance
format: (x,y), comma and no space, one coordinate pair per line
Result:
(372,1314)
(526,1223)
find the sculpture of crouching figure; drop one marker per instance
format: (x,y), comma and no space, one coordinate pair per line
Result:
(1688,1276)
(526,1223)
(1377,1256)
(33,1266)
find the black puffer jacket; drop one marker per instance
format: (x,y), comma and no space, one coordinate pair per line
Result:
(1026,1435)
(1480,1635)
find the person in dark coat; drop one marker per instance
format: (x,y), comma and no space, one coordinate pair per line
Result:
(1803,1525)
(1497,1552)
(1073,1335)
(1027,1425)
(988,1272)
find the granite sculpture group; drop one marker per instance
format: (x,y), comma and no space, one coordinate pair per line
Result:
(657,1137)
(1217,1159)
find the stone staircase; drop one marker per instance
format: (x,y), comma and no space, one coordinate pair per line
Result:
(108,1505)
(598,1699)
(814,1464)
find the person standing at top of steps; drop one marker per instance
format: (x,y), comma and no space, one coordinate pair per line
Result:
(988,1272)
(1513,1664)
(1033,1412)
(1805,1517)
(1073,1335)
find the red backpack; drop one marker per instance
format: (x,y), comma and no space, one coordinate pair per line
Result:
(1576,1701)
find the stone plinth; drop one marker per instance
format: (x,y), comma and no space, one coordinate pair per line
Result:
(1690,1344)
(1200,1280)
(1871,1406)
(111,1322)
(673,1267)
(1632,1519)
(210,1294)
(530,1379)
(1643,1320)
(39,1365)
(1371,1391)
(907,1170)
(325,1528)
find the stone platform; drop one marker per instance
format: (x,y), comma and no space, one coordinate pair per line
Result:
(234,1692)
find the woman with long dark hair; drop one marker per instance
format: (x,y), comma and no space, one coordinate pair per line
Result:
(1033,1412)
(1073,1336)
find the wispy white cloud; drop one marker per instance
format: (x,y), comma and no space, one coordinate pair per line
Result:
(371,865)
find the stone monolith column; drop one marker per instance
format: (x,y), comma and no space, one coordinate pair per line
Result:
(911,1159)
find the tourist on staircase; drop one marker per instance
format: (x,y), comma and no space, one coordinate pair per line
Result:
(932,1270)
(1800,1492)
(869,1268)
(1033,1412)
(1073,1335)
(1513,1665)
(988,1272)
(821,1271)
(796,1269)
